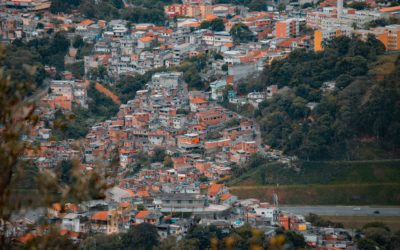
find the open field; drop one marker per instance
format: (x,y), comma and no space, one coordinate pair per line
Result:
(329,194)
(356,222)
(323,172)
(324,183)
(384,65)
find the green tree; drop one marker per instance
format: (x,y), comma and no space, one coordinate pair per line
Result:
(258,5)
(102,242)
(66,171)
(241,33)
(281,7)
(168,163)
(77,69)
(143,236)
(40,26)
(158,155)
(367,244)
(65,6)
(358,5)
(78,42)
(215,25)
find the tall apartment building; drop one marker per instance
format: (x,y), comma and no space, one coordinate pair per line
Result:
(287,28)
(388,35)
(190,10)
(321,35)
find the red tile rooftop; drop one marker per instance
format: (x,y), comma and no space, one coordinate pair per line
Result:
(100,216)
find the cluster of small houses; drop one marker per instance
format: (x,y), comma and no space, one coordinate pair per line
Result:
(202,140)
(158,195)
(171,213)
(164,115)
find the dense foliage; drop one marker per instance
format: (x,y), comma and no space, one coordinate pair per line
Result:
(318,221)
(144,15)
(75,125)
(245,237)
(241,33)
(136,11)
(378,236)
(360,108)
(143,236)
(191,68)
(330,172)
(23,66)
(46,51)
(215,25)
(36,53)
(127,85)
(65,6)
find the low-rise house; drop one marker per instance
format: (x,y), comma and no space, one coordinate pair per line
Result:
(106,222)
(217,89)
(183,202)
(74,222)
(140,217)
(215,191)
(228,199)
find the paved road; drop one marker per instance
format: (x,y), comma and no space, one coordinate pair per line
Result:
(343,210)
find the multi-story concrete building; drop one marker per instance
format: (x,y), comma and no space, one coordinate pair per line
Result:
(388,35)
(287,28)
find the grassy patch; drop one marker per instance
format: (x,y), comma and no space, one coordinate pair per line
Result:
(330,172)
(384,65)
(333,194)
(357,222)
(324,183)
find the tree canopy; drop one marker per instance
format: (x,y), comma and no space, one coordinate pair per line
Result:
(359,107)
(241,33)
(215,25)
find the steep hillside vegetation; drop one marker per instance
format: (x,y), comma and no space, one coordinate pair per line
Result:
(362,109)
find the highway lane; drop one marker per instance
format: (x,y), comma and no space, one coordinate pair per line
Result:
(343,210)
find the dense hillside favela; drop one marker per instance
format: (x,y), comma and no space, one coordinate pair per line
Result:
(200,124)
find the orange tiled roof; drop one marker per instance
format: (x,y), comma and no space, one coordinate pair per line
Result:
(287,42)
(198,100)
(388,9)
(101,215)
(142,214)
(124,204)
(146,39)
(211,17)
(143,194)
(86,22)
(228,45)
(56,206)
(214,189)
(194,25)
(225,196)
